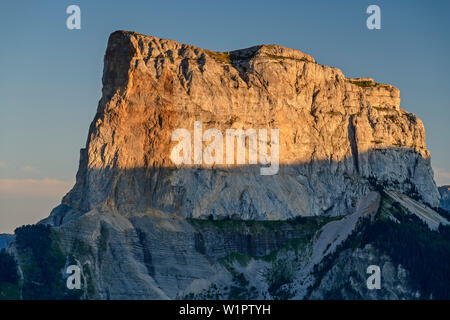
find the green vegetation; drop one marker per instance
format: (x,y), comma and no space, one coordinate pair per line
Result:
(443,213)
(223,57)
(242,259)
(8,268)
(240,290)
(334,113)
(320,270)
(9,291)
(89,281)
(9,279)
(336,292)
(228,57)
(424,253)
(273,56)
(212,293)
(103,238)
(81,249)
(296,245)
(279,278)
(390,117)
(363,83)
(304,229)
(386,210)
(382,109)
(43,264)
(280,275)
(407,241)
(367,83)
(380,185)
(253,227)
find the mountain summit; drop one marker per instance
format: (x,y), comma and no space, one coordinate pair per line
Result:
(336,134)
(249,174)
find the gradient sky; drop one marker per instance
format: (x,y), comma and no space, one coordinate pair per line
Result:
(50,77)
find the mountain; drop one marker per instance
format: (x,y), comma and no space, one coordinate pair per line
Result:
(335,134)
(445,197)
(348,179)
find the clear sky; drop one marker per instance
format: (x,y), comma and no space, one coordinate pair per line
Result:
(50,77)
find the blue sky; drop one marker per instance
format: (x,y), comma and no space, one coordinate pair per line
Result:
(50,77)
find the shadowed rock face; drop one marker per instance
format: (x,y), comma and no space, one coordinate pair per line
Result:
(334,133)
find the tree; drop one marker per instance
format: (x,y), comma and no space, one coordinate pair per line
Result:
(8,268)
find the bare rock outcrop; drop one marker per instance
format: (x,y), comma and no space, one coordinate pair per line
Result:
(336,134)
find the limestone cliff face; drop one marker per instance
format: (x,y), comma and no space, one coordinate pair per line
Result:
(334,132)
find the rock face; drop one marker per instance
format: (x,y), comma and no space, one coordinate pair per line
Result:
(445,197)
(164,256)
(343,280)
(424,213)
(141,226)
(334,134)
